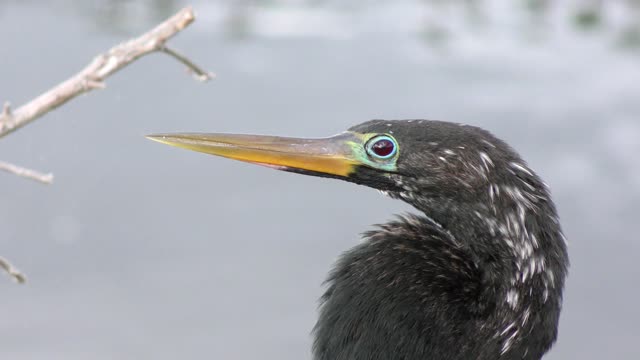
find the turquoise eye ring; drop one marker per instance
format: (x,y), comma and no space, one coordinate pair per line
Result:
(382,147)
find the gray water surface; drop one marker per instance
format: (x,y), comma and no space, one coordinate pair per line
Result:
(141,251)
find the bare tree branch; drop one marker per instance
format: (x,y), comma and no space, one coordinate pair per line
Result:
(12,271)
(90,78)
(27,173)
(93,75)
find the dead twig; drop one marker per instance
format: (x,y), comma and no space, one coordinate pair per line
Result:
(90,78)
(93,75)
(12,271)
(26,173)
(199,73)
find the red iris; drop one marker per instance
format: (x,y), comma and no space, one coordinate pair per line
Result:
(383,147)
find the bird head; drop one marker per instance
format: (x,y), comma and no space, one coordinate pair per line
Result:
(411,160)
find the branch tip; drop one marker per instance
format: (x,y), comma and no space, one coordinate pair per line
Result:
(198,73)
(19,277)
(27,173)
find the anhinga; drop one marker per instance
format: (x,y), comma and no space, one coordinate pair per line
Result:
(477,275)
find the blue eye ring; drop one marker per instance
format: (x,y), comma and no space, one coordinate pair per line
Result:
(382,147)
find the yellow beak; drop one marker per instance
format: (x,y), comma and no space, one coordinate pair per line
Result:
(337,155)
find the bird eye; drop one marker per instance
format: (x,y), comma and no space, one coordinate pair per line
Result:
(382,147)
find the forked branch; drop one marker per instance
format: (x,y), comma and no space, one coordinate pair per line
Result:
(93,75)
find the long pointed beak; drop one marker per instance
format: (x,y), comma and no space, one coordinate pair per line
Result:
(338,155)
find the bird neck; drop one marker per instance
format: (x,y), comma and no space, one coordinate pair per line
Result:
(518,230)
(515,237)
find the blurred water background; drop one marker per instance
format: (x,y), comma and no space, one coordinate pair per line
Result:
(140,251)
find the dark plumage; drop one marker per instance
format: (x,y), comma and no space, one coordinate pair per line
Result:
(478,275)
